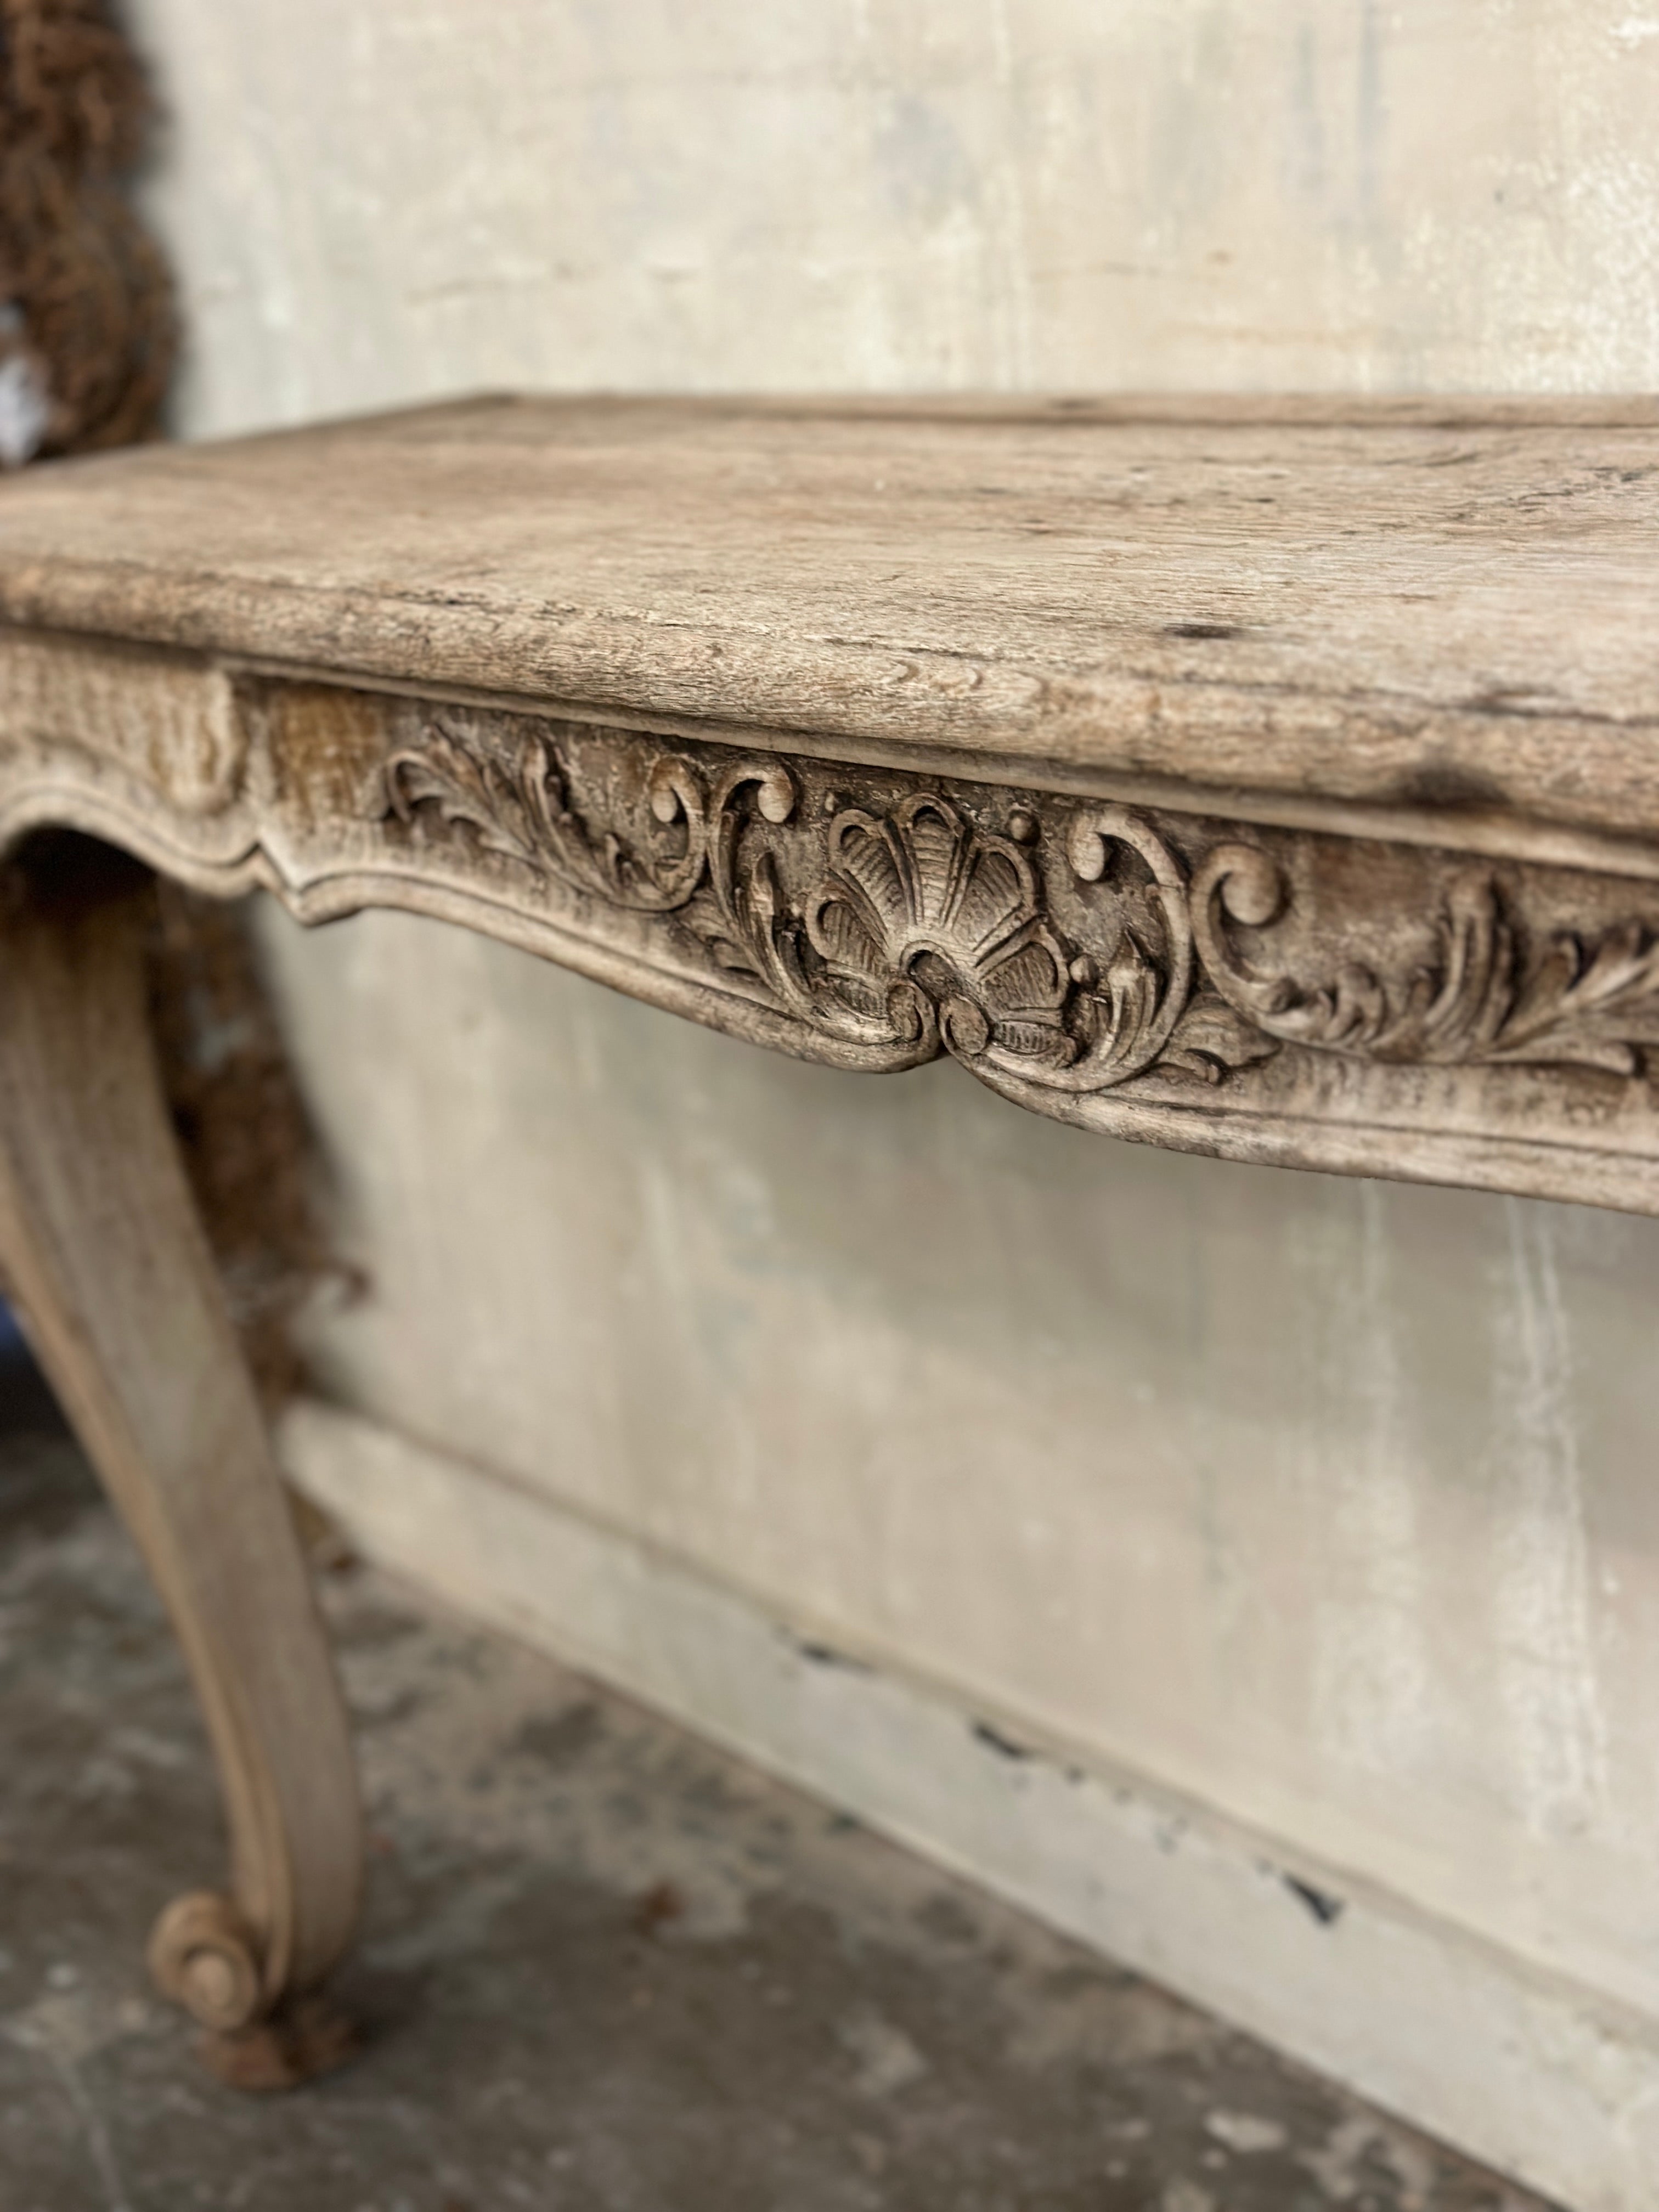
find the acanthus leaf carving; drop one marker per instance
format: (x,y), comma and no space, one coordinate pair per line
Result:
(470,785)
(913,927)
(517,807)
(1476,1000)
(1131,1003)
(923,931)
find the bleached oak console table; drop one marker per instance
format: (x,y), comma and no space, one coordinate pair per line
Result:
(1274,781)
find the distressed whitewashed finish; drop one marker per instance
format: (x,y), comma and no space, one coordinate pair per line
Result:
(1276,780)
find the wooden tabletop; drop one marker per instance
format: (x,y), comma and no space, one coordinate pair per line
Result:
(1406,606)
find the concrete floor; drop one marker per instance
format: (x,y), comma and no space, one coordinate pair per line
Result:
(607,1969)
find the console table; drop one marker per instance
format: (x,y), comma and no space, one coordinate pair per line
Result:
(1277,781)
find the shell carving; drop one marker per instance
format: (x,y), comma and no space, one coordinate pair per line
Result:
(924,931)
(925,920)
(898,931)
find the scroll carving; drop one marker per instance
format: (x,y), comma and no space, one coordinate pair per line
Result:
(516,806)
(903,926)
(920,931)
(1309,996)
(1478,1000)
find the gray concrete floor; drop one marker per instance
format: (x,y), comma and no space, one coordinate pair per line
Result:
(607,1969)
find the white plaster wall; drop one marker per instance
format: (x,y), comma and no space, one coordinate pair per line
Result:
(1329,1506)
(408,197)
(1330,1503)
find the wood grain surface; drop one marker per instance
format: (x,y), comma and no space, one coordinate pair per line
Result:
(101,1248)
(1277,781)
(1437,611)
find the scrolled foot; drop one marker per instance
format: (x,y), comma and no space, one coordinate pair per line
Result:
(203,1956)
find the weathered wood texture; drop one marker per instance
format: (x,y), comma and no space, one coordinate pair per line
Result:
(1406,606)
(1274,780)
(99,1243)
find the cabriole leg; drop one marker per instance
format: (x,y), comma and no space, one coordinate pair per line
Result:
(104,1253)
